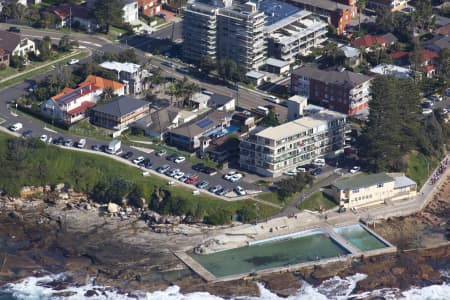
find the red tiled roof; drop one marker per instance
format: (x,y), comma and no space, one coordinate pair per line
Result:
(368,40)
(427,69)
(429,55)
(82,108)
(101,83)
(399,54)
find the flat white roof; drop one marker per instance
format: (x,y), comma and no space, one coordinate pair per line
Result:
(384,69)
(120,67)
(277,62)
(254,74)
(288,20)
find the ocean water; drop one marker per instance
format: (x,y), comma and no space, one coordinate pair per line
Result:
(336,288)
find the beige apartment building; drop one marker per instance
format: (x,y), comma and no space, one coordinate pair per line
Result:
(274,150)
(373,189)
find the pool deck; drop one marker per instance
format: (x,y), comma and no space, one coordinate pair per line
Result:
(325,228)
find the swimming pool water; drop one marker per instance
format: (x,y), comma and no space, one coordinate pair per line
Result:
(359,237)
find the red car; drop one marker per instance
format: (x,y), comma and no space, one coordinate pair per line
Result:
(192,180)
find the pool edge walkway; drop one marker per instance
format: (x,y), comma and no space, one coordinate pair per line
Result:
(195,266)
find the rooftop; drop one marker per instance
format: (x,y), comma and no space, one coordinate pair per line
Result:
(218,100)
(276,10)
(318,120)
(344,78)
(323,4)
(403,181)
(254,74)
(9,40)
(102,83)
(384,69)
(350,52)
(121,67)
(121,106)
(362,181)
(199,126)
(368,40)
(277,62)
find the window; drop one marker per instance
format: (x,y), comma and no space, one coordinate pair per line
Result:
(380,185)
(355,191)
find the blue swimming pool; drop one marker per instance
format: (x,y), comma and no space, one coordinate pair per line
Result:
(231,129)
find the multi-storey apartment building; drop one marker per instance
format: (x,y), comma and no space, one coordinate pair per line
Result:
(240,32)
(274,150)
(346,92)
(199,31)
(224,30)
(132,75)
(295,34)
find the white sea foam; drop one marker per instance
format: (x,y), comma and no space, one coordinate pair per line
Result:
(336,288)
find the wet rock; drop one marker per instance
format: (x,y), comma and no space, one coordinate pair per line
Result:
(284,285)
(64,294)
(90,293)
(15,215)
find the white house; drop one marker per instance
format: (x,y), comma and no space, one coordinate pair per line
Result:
(14,44)
(131,12)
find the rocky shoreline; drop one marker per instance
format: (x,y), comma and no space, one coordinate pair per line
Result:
(124,252)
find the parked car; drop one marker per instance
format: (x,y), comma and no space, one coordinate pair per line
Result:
(320,162)
(355,169)
(97,147)
(16,127)
(179,159)
(43,138)
(427,104)
(14,29)
(172,172)
(210,171)
(192,180)
(81,143)
(316,172)
(436,97)
(68,143)
(73,61)
(301,169)
(291,173)
(161,153)
(171,157)
(240,191)
(236,177)
(58,141)
(272,99)
(203,184)
(185,177)
(138,160)
(163,169)
(198,167)
(427,111)
(127,155)
(223,191)
(178,175)
(167,64)
(27,134)
(228,175)
(215,189)
(183,70)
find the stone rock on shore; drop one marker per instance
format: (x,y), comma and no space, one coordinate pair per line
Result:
(113,208)
(283,285)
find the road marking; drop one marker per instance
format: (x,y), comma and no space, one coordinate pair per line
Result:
(50,130)
(55,38)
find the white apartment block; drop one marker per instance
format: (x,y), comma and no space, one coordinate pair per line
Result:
(392,5)
(274,150)
(295,35)
(131,12)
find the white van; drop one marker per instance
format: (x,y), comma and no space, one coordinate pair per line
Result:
(81,143)
(16,127)
(272,99)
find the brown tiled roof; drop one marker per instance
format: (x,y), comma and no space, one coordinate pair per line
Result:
(9,40)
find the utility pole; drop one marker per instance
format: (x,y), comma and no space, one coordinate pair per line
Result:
(70,19)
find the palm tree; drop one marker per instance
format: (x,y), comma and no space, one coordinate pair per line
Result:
(107,95)
(361,5)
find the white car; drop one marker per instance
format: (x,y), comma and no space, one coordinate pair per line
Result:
(178,175)
(236,177)
(355,169)
(240,191)
(73,61)
(427,111)
(43,138)
(301,169)
(229,175)
(179,159)
(320,162)
(273,99)
(138,160)
(290,173)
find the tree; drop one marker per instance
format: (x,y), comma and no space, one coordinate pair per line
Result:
(207,65)
(271,119)
(128,55)
(287,187)
(17,62)
(361,5)
(46,19)
(108,13)
(106,96)
(65,43)
(45,48)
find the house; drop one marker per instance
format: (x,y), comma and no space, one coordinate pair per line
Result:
(337,14)
(13,44)
(222,102)
(77,16)
(373,189)
(131,12)
(4,58)
(255,77)
(400,58)
(225,148)
(369,41)
(275,150)
(391,70)
(391,5)
(245,121)
(436,44)
(277,66)
(389,39)
(200,101)
(119,113)
(71,105)
(149,8)
(352,56)
(132,75)
(157,123)
(198,133)
(346,92)
(444,30)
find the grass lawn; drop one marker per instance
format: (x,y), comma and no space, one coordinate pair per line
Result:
(273,198)
(86,129)
(2,121)
(420,167)
(318,201)
(41,70)
(85,170)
